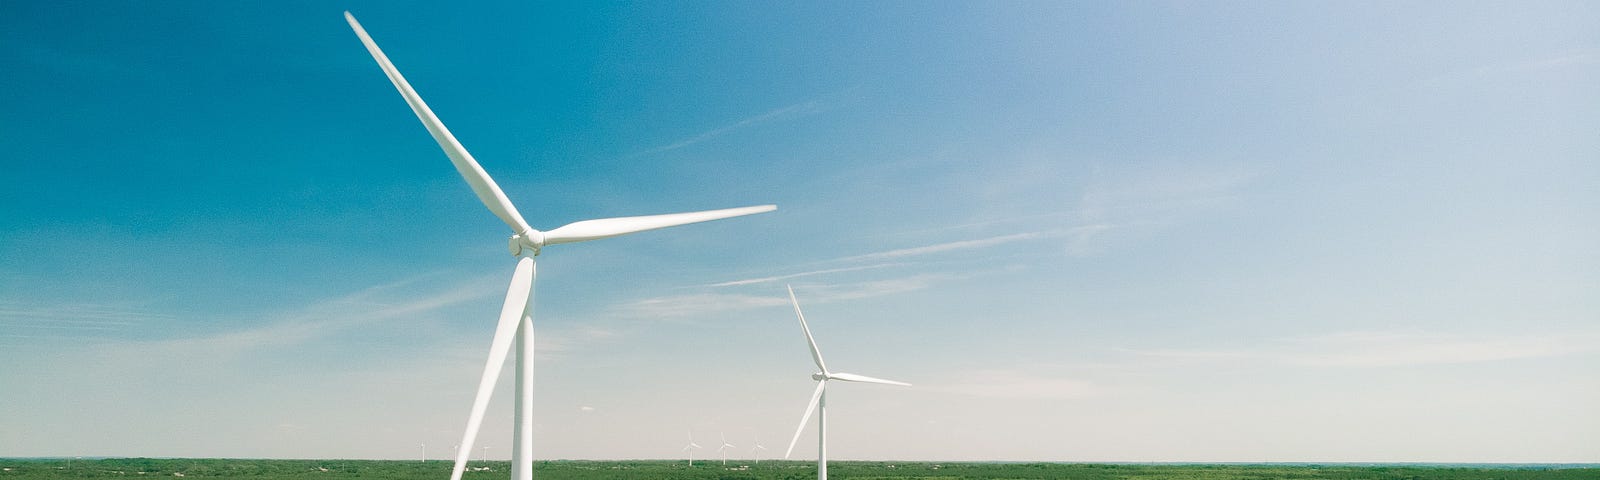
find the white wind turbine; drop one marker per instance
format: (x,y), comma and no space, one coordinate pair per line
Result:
(819,401)
(724,448)
(691,447)
(516,315)
(755,452)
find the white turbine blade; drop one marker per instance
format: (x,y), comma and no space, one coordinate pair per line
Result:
(488,192)
(504,333)
(851,377)
(611,227)
(807,417)
(816,355)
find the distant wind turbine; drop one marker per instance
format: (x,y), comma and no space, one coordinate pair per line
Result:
(691,447)
(754,454)
(819,401)
(724,448)
(516,315)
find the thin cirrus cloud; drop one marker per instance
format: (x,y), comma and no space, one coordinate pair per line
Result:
(1015,384)
(711,302)
(695,304)
(752,281)
(1391,349)
(1078,234)
(402,299)
(798,109)
(22,320)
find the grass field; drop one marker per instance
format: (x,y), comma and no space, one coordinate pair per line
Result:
(13,469)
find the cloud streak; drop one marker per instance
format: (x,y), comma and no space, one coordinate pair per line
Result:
(327,317)
(798,109)
(752,281)
(697,304)
(1082,233)
(1015,385)
(1391,349)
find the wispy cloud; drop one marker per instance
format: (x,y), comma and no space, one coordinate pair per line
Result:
(22,320)
(1559,60)
(798,109)
(375,304)
(822,293)
(1522,67)
(1392,349)
(699,304)
(555,343)
(1156,192)
(1081,233)
(1015,384)
(752,281)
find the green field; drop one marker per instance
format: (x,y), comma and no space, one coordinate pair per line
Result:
(14,469)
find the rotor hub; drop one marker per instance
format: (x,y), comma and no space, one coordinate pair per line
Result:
(819,376)
(530,243)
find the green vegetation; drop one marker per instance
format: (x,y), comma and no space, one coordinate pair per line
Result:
(129,468)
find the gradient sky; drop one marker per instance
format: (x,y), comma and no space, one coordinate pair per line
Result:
(1117,231)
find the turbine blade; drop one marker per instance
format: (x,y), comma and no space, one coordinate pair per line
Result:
(807,417)
(510,317)
(611,227)
(851,377)
(816,355)
(488,192)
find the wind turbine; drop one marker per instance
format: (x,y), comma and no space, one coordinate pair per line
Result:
(691,447)
(724,448)
(516,315)
(753,450)
(819,401)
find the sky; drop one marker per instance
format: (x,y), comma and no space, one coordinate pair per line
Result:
(1085,231)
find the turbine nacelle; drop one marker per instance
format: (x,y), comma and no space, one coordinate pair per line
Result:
(532,241)
(819,376)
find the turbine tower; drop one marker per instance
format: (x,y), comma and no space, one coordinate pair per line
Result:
(516,315)
(819,401)
(724,448)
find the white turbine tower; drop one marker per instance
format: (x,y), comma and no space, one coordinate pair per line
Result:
(724,448)
(516,315)
(691,447)
(819,401)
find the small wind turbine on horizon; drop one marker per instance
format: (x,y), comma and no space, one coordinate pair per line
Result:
(819,401)
(516,315)
(724,448)
(691,447)
(754,454)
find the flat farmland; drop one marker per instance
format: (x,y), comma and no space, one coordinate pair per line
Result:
(256,469)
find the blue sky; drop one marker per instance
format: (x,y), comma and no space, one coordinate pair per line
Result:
(1107,231)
